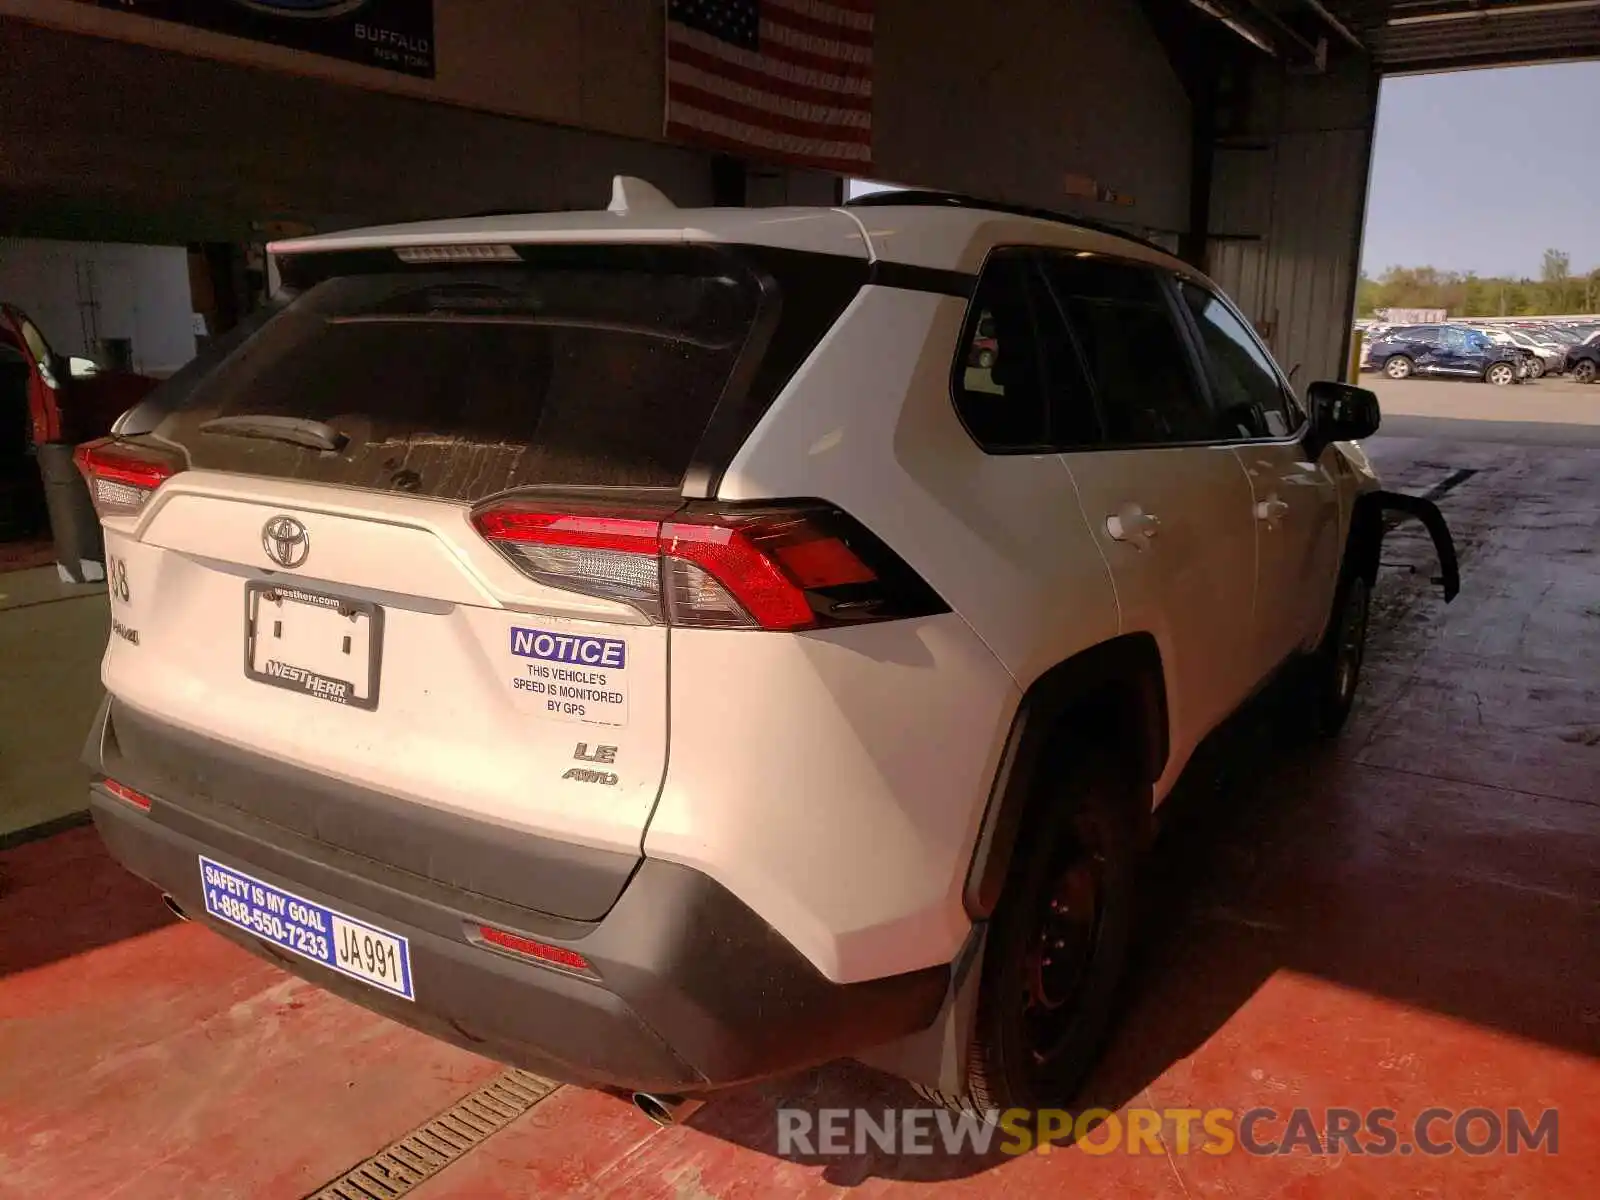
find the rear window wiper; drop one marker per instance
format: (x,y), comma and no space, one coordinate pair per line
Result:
(297,431)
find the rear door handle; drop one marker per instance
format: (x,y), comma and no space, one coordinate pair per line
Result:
(1130,523)
(1272,510)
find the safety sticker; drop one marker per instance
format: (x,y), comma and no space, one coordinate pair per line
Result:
(571,676)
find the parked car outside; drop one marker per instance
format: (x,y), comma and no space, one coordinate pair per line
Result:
(1583,360)
(1560,335)
(1513,339)
(1447,350)
(1552,354)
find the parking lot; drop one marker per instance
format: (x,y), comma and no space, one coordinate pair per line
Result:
(1571,409)
(1408,919)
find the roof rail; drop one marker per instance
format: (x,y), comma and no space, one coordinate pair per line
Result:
(928,198)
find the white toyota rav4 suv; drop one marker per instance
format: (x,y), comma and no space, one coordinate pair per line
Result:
(670,648)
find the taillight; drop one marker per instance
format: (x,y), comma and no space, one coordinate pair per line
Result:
(596,553)
(121,475)
(127,795)
(789,567)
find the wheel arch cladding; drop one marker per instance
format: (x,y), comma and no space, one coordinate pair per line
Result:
(1116,689)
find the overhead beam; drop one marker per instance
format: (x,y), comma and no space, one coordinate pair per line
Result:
(1246,29)
(1481,10)
(1335,24)
(1313,48)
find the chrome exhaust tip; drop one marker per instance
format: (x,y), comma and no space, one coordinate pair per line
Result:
(174,907)
(666,1110)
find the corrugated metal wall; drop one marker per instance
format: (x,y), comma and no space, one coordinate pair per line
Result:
(1288,199)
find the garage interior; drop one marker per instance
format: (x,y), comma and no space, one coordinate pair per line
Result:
(1409,917)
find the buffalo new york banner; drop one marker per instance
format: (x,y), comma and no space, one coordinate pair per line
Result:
(393,34)
(777,80)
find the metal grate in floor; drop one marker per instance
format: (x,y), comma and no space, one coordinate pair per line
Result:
(424,1152)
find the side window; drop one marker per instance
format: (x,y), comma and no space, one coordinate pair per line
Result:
(1251,400)
(1132,352)
(1456,339)
(1019,383)
(999,377)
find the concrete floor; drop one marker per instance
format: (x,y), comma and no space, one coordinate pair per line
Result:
(1552,412)
(1555,400)
(1408,918)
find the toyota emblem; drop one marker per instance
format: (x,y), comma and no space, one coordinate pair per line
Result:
(286,541)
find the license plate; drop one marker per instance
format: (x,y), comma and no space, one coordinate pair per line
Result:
(321,646)
(310,930)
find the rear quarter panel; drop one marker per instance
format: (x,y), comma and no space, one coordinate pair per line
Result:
(842,794)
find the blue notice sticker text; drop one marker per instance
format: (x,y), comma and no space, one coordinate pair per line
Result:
(570,648)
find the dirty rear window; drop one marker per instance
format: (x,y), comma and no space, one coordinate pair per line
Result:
(459,382)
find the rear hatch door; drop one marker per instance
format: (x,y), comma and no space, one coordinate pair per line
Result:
(313,585)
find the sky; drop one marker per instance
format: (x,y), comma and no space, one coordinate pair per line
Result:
(1482,170)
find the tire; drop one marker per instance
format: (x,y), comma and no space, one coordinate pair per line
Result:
(1071,894)
(1500,374)
(1585,370)
(1335,672)
(1536,368)
(1398,367)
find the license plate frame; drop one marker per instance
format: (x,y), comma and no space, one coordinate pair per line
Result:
(304,927)
(303,680)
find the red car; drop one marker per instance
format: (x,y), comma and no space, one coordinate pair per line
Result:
(45,397)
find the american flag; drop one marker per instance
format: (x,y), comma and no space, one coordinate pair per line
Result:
(786,80)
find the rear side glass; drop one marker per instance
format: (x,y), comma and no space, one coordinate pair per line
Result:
(999,381)
(1132,351)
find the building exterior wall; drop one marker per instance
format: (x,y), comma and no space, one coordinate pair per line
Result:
(1288,201)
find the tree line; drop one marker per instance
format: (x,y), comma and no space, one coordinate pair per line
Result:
(1556,291)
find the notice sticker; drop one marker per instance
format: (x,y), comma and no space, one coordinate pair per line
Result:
(572,676)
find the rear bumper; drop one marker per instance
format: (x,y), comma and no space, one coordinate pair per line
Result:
(694,990)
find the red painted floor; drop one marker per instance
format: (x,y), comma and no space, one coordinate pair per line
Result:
(1408,919)
(142,1057)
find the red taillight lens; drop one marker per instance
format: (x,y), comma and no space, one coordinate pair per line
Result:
(722,567)
(125,793)
(768,564)
(121,476)
(555,956)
